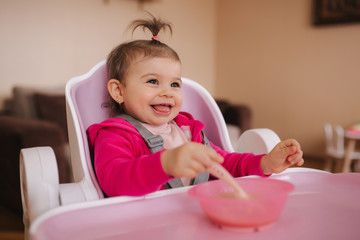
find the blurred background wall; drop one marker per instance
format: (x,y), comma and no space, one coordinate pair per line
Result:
(295,76)
(50,41)
(264,53)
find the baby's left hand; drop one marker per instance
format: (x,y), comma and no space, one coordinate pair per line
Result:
(283,155)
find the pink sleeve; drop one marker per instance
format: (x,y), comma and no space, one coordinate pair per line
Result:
(124,166)
(241,164)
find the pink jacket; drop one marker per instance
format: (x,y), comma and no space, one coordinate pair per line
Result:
(125,167)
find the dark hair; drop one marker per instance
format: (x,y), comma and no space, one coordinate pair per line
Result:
(120,58)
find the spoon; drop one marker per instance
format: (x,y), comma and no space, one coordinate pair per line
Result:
(220,172)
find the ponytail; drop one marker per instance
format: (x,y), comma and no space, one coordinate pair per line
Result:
(154,25)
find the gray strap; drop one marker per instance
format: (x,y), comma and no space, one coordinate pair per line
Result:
(154,142)
(203,177)
(174,183)
(206,141)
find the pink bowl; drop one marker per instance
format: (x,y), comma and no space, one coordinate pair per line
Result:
(265,207)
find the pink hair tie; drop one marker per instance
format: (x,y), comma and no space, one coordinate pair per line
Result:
(155,38)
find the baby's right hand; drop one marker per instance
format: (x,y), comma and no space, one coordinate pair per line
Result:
(188,160)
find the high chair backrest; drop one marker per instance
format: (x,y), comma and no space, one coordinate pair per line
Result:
(87,103)
(198,101)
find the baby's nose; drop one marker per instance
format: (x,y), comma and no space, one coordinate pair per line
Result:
(166,91)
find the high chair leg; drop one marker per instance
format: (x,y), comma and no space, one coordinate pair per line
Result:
(347,160)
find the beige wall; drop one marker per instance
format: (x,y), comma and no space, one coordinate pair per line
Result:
(47,42)
(295,76)
(264,53)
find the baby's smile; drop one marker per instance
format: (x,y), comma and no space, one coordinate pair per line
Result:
(162,108)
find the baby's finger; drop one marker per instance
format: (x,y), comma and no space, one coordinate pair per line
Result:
(292,142)
(300,162)
(295,158)
(189,173)
(288,152)
(214,156)
(211,156)
(198,167)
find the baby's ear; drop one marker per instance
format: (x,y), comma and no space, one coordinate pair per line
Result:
(115,89)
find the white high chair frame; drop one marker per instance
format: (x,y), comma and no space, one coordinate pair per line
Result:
(40,188)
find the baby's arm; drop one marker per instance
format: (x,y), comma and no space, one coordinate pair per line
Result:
(283,155)
(193,158)
(124,165)
(188,160)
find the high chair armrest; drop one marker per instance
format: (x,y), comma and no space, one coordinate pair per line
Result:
(71,193)
(39,180)
(257,141)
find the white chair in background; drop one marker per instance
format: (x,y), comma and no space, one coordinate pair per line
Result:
(335,146)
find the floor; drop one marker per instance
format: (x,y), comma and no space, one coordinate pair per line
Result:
(11,226)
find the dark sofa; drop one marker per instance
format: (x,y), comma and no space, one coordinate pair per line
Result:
(30,118)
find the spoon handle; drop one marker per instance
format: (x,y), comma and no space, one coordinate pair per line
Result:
(220,172)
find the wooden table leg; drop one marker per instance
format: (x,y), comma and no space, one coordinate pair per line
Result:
(347,160)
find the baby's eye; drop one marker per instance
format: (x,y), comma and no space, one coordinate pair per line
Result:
(175,84)
(153,81)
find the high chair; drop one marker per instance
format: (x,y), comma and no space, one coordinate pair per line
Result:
(335,146)
(87,103)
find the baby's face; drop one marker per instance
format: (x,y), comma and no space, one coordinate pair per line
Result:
(152,90)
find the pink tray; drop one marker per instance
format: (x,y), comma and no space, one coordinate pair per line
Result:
(322,206)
